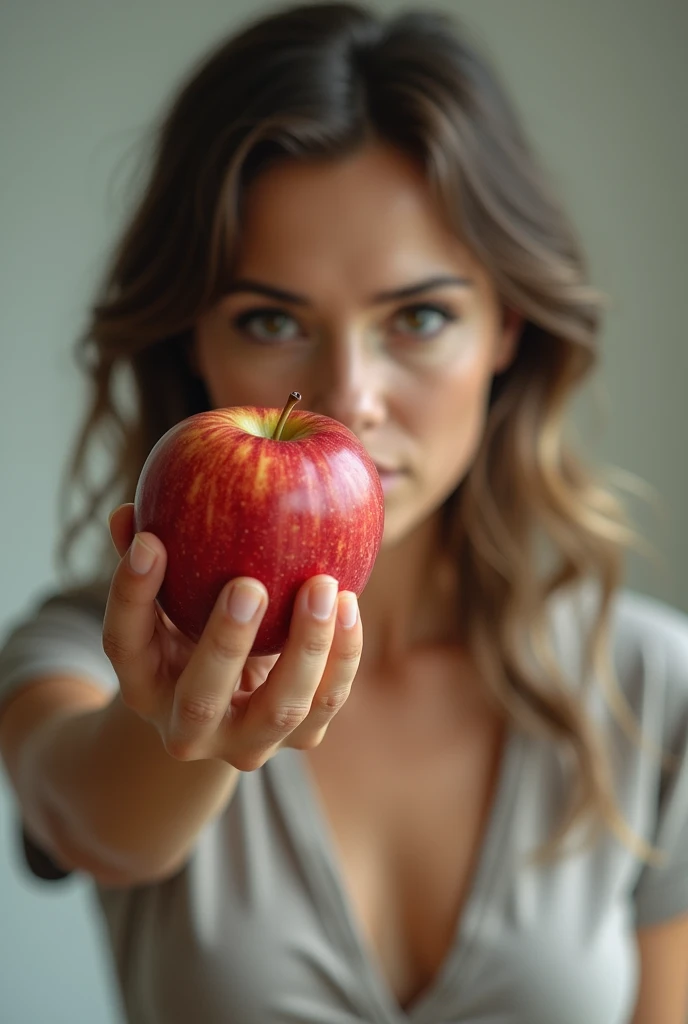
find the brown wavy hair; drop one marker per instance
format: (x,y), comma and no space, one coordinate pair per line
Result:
(321,80)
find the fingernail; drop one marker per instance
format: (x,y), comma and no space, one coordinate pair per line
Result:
(244,601)
(321,599)
(141,557)
(347,609)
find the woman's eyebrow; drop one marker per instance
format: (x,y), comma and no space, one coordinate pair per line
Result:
(248,285)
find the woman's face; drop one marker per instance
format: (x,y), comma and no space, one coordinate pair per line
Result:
(334,299)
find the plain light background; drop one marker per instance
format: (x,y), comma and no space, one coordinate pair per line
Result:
(602,85)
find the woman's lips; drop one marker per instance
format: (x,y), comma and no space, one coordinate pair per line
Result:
(389,478)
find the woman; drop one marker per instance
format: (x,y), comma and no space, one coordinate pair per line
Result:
(481,812)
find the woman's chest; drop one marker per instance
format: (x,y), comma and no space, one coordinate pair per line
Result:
(260,913)
(407,811)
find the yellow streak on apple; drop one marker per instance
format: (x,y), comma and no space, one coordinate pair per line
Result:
(261,477)
(210,504)
(195,487)
(193,445)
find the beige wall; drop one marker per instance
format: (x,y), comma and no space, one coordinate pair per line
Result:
(603,84)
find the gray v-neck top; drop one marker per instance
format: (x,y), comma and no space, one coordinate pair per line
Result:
(257,928)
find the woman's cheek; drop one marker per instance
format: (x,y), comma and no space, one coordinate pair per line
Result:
(456,415)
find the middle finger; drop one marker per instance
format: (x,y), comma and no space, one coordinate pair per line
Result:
(204,689)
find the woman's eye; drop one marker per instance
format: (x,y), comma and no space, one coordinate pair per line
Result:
(267,325)
(424,321)
(274,325)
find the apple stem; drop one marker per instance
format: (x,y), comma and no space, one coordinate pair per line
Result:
(294,397)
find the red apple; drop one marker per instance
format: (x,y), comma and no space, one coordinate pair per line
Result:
(279,495)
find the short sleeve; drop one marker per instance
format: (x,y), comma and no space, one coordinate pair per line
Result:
(662,891)
(64,635)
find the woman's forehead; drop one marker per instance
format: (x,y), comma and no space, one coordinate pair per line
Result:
(372,210)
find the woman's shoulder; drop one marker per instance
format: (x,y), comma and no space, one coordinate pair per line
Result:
(648,646)
(60,632)
(639,624)
(77,608)
(632,612)
(648,622)
(88,598)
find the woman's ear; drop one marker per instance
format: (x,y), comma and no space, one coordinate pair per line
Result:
(512,328)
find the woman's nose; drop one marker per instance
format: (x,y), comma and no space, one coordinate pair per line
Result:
(350,387)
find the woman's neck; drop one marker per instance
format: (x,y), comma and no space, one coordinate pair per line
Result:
(409,601)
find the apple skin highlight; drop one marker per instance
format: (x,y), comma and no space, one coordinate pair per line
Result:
(227,500)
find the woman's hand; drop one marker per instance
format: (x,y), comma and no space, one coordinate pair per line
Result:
(210,700)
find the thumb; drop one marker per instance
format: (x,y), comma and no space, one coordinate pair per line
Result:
(121,523)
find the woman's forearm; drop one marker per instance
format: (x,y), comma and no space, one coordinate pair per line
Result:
(101,781)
